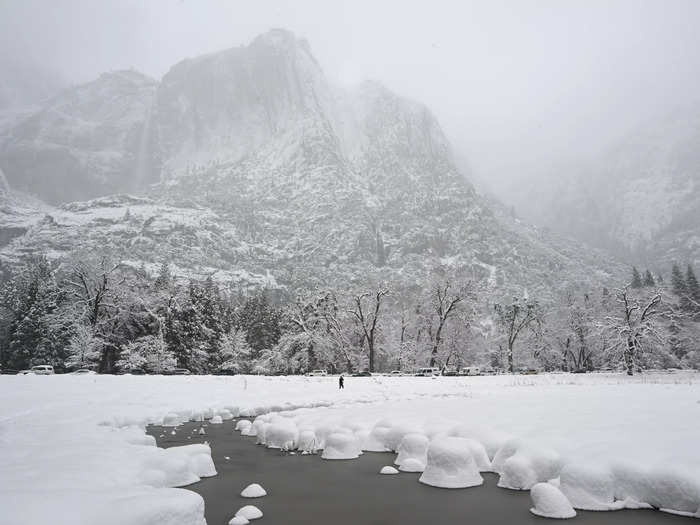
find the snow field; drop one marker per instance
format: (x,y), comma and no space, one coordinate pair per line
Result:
(78,452)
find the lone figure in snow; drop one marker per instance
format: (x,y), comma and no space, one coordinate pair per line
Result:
(341,382)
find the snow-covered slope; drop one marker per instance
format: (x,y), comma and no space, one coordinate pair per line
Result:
(640,199)
(268,169)
(89,140)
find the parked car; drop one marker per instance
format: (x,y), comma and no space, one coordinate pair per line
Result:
(531,372)
(451,372)
(42,370)
(396,373)
(83,371)
(427,372)
(488,371)
(363,373)
(319,373)
(471,371)
(135,371)
(180,372)
(8,371)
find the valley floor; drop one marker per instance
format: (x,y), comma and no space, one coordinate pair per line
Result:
(74,449)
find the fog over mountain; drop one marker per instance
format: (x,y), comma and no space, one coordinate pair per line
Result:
(518,86)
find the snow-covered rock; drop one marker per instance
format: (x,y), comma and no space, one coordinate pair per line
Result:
(388,470)
(216,420)
(451,464)
(253,490)
(549,502)
(341,446)
(412,465)
(172,420)
(250,512)
(239,520)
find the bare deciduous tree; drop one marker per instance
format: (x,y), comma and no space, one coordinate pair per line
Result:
(367,316)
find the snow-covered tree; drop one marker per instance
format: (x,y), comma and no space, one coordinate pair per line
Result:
(150,353)
(636,278)
(514,319)
(634,326)
(84,348)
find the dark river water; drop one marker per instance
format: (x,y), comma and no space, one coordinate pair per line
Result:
(311,491)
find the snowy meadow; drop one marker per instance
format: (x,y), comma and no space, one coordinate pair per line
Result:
(75,449)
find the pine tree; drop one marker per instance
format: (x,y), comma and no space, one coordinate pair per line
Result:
(649,279)
(636,278)
(164,279)
(679,287)
(693,289)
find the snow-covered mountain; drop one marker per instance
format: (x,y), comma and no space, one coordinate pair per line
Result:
(640,200)
(274,177)
(87,141)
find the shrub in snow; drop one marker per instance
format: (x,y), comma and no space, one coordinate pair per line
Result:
(549,502)
(233,409)
(388,470)
(238,520)
(172,420)
(413,446)
(341,446)
(588,487)
(282,435)
(412,465)
(250,512)
(216,420)
(307,442)
(253,491)
(450,464)
(225,415)
(243,425)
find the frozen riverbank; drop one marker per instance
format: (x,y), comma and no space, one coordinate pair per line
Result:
(307,490)
(74,446)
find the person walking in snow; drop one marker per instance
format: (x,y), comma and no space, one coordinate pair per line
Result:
(341,382)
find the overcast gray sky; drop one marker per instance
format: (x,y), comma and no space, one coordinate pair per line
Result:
(517,85)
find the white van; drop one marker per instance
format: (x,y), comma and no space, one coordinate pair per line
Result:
(471,371)
(427,372)
(42,370)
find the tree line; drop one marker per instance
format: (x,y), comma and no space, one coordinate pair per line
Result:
(96,312)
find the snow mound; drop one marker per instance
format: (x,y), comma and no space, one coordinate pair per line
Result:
(451,464)
(521,465)
(243,425)
(549,502)
(253,491)
(413,446)
(238,520)
(261,435)
(216,420)
(388,470)
(252,430)
(396,433)
(307,441)
(664,487)
(491,439)
(282,435)
(341,446)
(375,440)
(412,465)
(250,512)
(588,487)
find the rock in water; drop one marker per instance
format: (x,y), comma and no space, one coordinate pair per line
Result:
(250,512)
(253,491)
(388,470)
(451,464)
(238,520)
(549,502)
